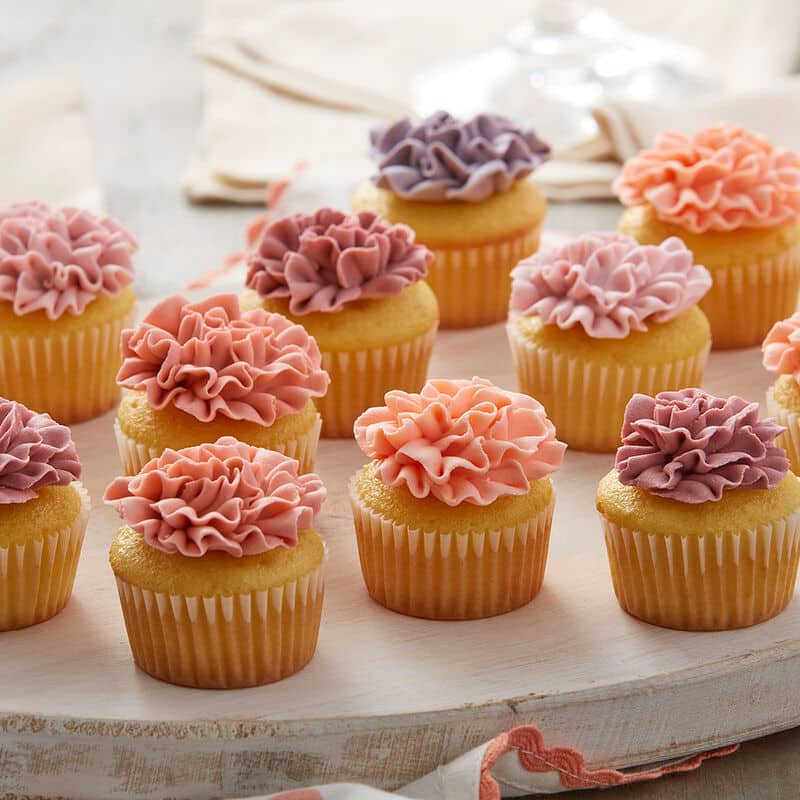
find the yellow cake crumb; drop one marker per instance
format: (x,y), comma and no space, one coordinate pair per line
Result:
(786,393)
(54,509)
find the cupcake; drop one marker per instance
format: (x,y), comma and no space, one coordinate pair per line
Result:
(701,514)
(462,187)
(218,567)
(44,510)
(198,371)
(600,319)
(453,514)
(734,199)
(782,355)
(65,295)
(355,283)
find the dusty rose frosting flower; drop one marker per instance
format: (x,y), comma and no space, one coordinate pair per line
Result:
(781,348)
(691,446)
(444,159)
(323,260)
(210,359)
(608,284)
(460,441)
(59,260)
(720,179)
(227,497)
(35,451)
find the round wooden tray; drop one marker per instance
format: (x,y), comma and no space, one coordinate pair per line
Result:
(388,698)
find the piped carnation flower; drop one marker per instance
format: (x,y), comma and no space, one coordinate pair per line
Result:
(720,179)
(460,441)
(781,348)
(609,284)
(35,451)
(59,260)
(210,359)
(322,261)
(444,159)
(227,497)
(691,446)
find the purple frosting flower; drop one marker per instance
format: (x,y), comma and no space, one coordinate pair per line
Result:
(691,446)
(443,159)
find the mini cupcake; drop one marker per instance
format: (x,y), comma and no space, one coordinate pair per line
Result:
(218,567)
(600,319)
(65,295)
(782,355)
(461,186)
(44,510)
(453,515)
(734,199)
(355,283)
(198,371)
(701,515)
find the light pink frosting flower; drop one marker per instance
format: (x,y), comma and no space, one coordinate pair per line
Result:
(609,284)
(781,348)
(59,260)
(691,446)
(460,441)
(35,451)
(323,260)
(720,179)
(210,359)
(227,497)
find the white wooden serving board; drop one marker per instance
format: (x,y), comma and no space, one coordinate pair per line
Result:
(388,698)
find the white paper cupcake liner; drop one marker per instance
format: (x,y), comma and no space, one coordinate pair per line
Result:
(36,577)
(790,440)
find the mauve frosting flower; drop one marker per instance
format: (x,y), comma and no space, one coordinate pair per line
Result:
(609,284)
(443,159)
(227,497)
(323,260)
(691,446)
(460,441)
(720,179)
(35,451)
(781,348)
(210,358)
(59,260)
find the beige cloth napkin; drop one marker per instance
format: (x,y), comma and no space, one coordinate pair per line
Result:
(302,83)
(46,144)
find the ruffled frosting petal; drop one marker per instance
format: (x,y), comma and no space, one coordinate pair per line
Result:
(781,348)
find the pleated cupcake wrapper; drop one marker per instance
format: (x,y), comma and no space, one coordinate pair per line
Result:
(448,575)
(473,284)
(705,582)
(361,378)
(790,440)
(71,376)
(747,299)
(224,641)
(134,455)
(36,577)
(586,400)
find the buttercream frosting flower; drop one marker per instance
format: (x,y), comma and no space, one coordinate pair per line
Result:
(781,348)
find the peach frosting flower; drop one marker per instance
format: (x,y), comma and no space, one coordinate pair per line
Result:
(781,348)
(460,441)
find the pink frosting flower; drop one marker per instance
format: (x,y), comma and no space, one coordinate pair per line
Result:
(691,446)
(210,359)
(323,260)
(781,348)
(227,497)
(460,441)
(35,451)
(720,179)
(609,284)
(59,260)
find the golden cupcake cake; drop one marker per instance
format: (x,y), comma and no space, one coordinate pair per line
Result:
(701,514)
(65,295)
(734,199)
(464,188)
(44,510)
(196,371)
(600,319)
(453,513)
(781,352)
(356,283)
(218,565)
